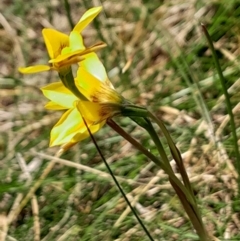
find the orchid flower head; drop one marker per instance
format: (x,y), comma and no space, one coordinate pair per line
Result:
(101,101)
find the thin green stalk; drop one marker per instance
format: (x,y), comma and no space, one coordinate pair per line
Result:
(227,98)
(147,125)
(118,185)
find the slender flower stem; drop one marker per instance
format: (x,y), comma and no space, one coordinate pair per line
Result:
(227,98)
(146,124)
(118,185)
(183,194)
(196,220)
(138,111)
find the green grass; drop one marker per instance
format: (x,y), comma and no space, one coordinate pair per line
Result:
(172,73)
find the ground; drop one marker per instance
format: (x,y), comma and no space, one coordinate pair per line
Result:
(156,56)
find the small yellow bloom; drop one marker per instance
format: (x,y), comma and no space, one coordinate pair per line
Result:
(102,102)
(66,50)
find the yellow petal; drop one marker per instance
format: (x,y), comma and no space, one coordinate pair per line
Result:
(90,111)
(34,69)
(95,47)
(76,41)
(95,90)
(66,56)
(93,128)
(69,125)
(71,129)
(87,84)
(59,94)
(95,112)
(87,18)
(65,50)
(94,66)
(54,106)
(55,41)
(80,136)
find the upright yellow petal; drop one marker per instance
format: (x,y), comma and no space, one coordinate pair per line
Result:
(55,41)
(34,69)
(87,18)
(59,94)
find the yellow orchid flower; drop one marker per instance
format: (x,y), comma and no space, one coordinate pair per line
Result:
(66,50)
(101,102)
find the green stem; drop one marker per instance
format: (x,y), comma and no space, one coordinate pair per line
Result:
(192,210)
(138,111)
(227,98)
(147,125)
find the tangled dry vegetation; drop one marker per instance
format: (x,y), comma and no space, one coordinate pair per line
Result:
(156,56)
